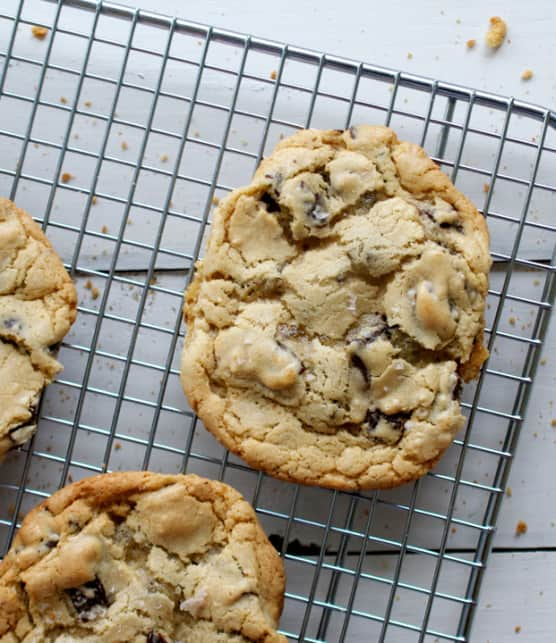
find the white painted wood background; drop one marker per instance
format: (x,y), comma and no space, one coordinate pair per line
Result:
(520,585)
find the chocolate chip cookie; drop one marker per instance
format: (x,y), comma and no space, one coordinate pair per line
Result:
(37,307)
(142,557)
(337,310)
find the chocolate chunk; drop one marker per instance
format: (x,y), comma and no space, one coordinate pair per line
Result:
(318,213)
(11,322)
(359,364)
(396,421)
(457,227)
(367,199)
(270,202)
(86,597)
(155,637)
(372,418)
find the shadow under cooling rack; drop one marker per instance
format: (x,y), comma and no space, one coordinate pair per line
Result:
(119,132)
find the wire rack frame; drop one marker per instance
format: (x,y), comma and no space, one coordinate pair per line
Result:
(400,565)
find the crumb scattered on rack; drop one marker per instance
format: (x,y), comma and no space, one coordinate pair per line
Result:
(104,229)
(129,221)
(509,492)
(496,33)
(88,103)
(89,284)
(124,145)
(215,200)
(453,530)
(63,100)
(536,282)
(521,528)
(471,43)
(273,74)
(486,187)
(39,33)
(164,157)
(95,292)
(517,629)
(527,74)
(543,361)
(409,55)
(117,446)
(553,423)
(94,200)
(66,177)
(511,320)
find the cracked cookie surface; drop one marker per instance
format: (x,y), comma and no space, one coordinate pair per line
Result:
(37,307)
(142,557)
(338,307)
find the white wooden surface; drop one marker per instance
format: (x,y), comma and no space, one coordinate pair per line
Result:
(520,587)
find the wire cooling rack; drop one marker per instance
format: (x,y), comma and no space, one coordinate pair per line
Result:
(118,132)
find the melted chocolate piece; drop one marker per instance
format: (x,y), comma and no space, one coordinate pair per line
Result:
(358,363)
(155,637)
(88,596)
(318,214)
(11,322)
(270,202)
(396,420)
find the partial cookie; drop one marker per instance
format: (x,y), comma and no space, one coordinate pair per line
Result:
(339,304)
(37,307)
(142,557)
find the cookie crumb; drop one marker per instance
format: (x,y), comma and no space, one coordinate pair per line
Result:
(511,320)
(215,200)
(88,103)
(117,446)
(63,100)
(517,629)
(409,55)
(453,530)
(104,229)
(553,422)
(273,74)
(89,284)
(536,282)
(164,158)
(38,32)
(509,492)
(496,33)
(521,528)
(486,188)
(527,74)
(124,145)
(543,361)
(95,292)
(470,44)
(94,200)
(66,177)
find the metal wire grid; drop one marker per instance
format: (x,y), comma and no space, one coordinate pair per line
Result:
(399,565)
